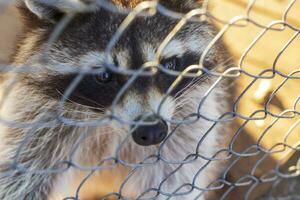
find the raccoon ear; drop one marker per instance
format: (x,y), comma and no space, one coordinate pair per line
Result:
(42,10)
(49,10)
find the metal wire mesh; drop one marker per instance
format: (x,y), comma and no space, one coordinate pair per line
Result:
(34,163)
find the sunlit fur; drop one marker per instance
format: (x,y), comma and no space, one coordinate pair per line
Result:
(58,133)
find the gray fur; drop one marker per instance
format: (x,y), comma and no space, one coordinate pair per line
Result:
(42,148)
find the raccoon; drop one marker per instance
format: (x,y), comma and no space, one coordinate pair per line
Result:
(129,119)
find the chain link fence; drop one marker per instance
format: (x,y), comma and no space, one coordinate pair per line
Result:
(92,81)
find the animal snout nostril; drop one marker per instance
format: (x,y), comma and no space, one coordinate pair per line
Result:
(146,135)
(144,138)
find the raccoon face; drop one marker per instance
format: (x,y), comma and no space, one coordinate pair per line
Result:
(118,83)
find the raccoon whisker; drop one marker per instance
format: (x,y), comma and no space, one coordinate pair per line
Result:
(183,89)
(227,62)
(100,108)
(38,114)
(181,102)
(194,83)
(83,117)
(179,95)
(180,107)
(186,111)
(52,108)
(197,80)
(45,110)
(85,106)
(184,105)
(224,64)
(186,102)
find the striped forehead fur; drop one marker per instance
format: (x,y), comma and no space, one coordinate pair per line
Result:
(173,48)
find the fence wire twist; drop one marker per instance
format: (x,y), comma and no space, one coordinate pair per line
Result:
(283,180)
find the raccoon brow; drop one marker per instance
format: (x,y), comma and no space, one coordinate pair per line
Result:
(96,60)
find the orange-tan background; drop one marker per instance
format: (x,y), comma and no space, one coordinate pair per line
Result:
(261,57)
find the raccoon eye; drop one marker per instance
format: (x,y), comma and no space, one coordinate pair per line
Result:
(171,63)
(103,77)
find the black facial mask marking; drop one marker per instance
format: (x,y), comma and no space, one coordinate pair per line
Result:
(100,90)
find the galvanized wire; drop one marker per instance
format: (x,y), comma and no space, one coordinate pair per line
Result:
(286,177)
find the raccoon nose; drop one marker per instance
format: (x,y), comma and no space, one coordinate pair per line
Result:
(146,135)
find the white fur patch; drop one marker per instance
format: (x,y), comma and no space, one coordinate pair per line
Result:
(196,44)
(174,48)
(93,58)
(135,105)
(165,108)
(132,106)
(123,58)
(148,51)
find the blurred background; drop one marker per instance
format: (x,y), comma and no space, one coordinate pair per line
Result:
(9,30)
(263,35)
